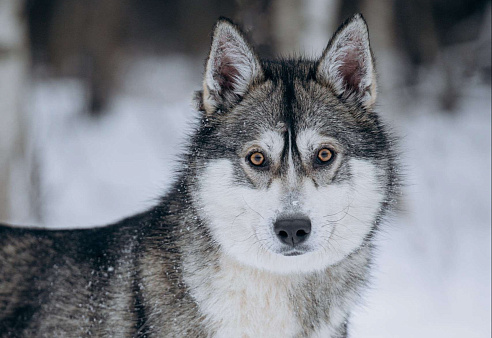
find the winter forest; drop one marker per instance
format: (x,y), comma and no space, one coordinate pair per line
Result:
(96,103)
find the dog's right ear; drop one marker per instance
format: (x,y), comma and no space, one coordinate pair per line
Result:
(231,67)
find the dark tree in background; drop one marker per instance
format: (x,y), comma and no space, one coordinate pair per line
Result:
(87,38)
(81,38)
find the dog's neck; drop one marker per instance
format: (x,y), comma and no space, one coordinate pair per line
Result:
(239,300)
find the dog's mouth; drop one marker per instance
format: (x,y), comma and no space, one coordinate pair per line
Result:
(293,252)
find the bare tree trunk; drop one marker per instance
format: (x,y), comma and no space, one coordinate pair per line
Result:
(320,21)
(14,63)
(418,36)
(85,41)
(287,25)
(256,18)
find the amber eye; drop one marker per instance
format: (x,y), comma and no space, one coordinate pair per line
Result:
(257,159)
(324,156)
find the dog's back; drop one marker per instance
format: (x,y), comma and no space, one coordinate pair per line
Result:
(58,281)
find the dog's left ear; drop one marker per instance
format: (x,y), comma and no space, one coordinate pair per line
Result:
(347,63)
(231,67)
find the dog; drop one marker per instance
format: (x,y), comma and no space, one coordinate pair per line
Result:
(268,230)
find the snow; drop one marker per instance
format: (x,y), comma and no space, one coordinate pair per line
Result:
(432,275)
(97,171)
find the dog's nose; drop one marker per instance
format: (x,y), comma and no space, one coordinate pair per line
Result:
(292,231)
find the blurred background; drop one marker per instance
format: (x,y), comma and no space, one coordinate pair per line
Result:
(95,104)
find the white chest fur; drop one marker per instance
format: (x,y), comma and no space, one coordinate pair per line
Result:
(239,301)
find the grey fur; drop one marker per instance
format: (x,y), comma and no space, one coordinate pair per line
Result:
(138,278)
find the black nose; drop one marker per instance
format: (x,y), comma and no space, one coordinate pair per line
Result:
(292,231)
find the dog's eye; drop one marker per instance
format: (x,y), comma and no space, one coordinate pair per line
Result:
(257,159)
(324,156)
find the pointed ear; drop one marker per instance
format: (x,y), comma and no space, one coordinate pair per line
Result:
(347,63)
(231,67)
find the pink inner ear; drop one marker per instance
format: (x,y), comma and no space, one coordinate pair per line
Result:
(351,70)
(228,74)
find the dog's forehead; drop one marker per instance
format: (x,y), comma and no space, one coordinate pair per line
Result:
(306,108)
(288,101)
(287,104)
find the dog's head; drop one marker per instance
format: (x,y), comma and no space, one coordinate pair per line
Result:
(291,163)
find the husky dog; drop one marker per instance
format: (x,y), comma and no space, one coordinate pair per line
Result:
(267,231)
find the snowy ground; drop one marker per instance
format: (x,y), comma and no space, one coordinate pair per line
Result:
(433,270)
(432,275)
